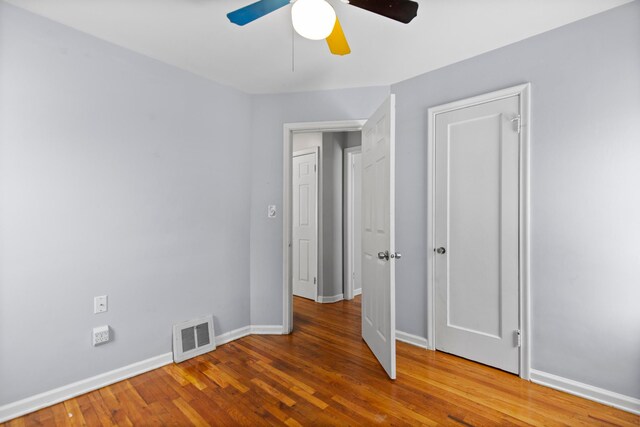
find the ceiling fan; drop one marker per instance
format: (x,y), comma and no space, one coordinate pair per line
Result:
(316,19)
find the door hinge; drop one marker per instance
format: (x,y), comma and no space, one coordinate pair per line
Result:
(518,122)
(314,280)
(519,338)
(314,168)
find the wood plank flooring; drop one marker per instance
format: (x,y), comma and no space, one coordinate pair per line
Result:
(323,374)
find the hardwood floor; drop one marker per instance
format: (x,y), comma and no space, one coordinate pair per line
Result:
(324,374)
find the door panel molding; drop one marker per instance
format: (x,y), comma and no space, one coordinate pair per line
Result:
(523,93)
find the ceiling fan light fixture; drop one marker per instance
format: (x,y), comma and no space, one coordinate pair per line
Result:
(313,19)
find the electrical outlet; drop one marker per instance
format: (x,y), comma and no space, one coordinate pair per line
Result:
(100,304)
(100,335)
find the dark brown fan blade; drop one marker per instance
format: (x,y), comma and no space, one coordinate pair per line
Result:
(400,10)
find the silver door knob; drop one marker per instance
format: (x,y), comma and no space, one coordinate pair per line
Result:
(441,250)
(396,255)
(383,255)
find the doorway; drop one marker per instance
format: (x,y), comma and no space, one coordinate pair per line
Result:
(478,229)
(290,131)
(378,228)
(323,195)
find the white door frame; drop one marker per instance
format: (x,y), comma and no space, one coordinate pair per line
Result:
(348,221)
(524,92)
(316,151)
(287,229)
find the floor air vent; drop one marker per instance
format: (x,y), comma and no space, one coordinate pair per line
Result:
(193,338)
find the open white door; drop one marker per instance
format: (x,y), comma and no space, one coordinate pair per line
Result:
(305,224)
(378,235)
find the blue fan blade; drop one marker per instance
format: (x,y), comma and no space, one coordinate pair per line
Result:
(254,11)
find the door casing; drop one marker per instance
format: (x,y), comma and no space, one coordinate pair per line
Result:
(287,209)
(523,92)
(349,221)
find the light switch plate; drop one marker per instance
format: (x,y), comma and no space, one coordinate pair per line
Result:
(100,304)
(271,211)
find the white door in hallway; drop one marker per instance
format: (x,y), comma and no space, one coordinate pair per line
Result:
(476,233)
(356,274)
(305,224)
(378,235)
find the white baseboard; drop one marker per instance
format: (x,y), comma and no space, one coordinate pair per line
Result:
(327,300)
(600,395)
(233,335)
(411,339)
(266,329)
(357,292)
(60,394)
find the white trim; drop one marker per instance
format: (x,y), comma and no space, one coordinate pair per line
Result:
(525,231)
(357,292)
(412,339)
(60,394)
(348,223)
(266,329)
(524,93)
(331,299)
(288,130)
(233,335)
(597,394)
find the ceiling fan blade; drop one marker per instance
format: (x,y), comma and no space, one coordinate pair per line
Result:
(256,10)
(337,41)
(400,10)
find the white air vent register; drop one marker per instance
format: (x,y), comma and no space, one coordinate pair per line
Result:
(193,338)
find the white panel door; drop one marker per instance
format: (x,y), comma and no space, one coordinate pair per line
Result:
(476,233)
(305,225)
(378,235)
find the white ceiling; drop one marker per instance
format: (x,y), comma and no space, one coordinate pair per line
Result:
(195,35)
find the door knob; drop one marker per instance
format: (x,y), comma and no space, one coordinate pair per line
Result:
(441,250)
(383,255)
(396,255)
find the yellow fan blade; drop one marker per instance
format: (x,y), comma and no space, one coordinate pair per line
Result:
(337,41)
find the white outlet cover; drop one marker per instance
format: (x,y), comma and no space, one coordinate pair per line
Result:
(101,335)
(100,304)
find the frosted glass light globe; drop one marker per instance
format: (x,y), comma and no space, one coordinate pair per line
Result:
(313,19)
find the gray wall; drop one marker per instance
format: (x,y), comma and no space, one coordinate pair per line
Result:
(118,175)
(269,113)
(585,191)
(303,140)
(354,139)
